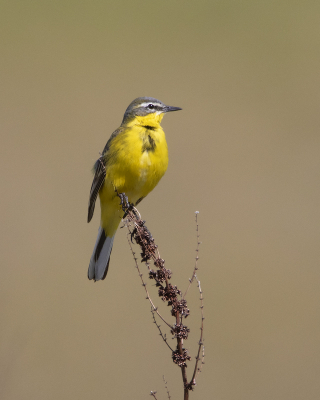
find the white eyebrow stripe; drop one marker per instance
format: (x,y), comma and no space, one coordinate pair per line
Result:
(150,102)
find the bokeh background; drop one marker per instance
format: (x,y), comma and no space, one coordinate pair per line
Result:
(244,152)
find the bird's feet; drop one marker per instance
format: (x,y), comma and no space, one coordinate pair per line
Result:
(124,203)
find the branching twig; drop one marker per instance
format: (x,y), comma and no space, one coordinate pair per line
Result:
(155,309)
(153,394)
(164,337)
(202,362)
(196,368)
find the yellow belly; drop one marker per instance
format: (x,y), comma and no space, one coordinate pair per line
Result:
(131,170)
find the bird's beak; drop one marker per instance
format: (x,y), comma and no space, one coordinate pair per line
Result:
(169,108)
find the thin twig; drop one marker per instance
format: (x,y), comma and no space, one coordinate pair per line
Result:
(155,309)
(164,337)
(197,256)
(196,369)
(202,362)
(166,386)
(153,394)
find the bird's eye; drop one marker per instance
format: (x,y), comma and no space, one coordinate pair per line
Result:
(150,106)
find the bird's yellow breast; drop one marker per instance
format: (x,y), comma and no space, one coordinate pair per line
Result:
(142,159)
(137,159)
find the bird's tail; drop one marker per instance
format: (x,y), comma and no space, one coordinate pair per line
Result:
(99,262)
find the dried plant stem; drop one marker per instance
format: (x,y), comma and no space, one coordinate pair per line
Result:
(202,362)
(164,338)
(155,309)
(201,346)
(166,291)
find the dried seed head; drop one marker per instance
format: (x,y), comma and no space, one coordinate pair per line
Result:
(152,274)
(179,307)
(180,331)
(169,293)
(180,359)
(159,263)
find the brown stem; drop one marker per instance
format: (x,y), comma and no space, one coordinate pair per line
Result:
(168,292)
(155,309)
(160,331)
(183,368)
(196,369)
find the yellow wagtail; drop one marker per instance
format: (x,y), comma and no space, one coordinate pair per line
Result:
(133,161)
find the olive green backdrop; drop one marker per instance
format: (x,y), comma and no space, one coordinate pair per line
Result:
(244,152)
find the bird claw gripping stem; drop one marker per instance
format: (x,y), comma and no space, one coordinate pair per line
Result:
(124,203)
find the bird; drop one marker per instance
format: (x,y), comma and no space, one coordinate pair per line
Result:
(132,163)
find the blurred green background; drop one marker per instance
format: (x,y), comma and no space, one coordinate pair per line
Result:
(244,152)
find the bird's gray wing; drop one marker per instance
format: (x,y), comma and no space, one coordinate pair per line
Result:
(100,171)
(98,181)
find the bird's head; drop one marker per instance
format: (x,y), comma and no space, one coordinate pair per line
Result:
(146,111)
